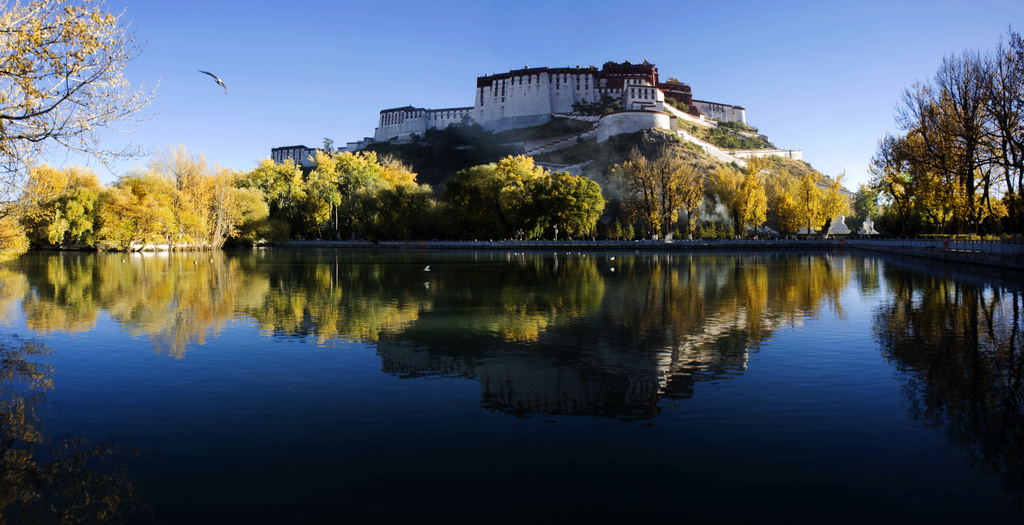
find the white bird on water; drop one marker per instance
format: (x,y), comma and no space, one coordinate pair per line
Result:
(215,77)
(426,268)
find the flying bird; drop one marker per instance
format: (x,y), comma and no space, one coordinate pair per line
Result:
(215,77)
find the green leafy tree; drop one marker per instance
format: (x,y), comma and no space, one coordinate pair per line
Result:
(283,188)
(865,202)
(574,203)
(514,198)
(407,211)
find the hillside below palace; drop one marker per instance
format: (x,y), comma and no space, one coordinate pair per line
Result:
(532,96)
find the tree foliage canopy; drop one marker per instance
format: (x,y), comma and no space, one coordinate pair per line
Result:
(62,81)
(514,198)
(959,167)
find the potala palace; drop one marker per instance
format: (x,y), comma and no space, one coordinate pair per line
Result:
(533,96)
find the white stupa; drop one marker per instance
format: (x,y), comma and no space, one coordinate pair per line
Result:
(839,227)
(868,228)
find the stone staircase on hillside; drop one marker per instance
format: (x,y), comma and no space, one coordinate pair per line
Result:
(711,149)
(549,144)
(577,116)
(571,169)
(699,121)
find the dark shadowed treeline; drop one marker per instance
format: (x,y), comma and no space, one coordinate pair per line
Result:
(959,348)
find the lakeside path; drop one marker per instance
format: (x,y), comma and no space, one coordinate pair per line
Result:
(997,254)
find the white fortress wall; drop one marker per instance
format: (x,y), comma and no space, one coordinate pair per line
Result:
(723,112)
(794,154)
(529,97)
(442,118)
(630,122)
(400,123)
(299,154)
(711,149)
(699,121)
(358,145)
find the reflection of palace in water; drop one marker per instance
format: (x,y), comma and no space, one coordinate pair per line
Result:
(590,377)
(664,325)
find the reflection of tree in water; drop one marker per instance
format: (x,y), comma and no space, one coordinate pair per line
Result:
(335,294)
(41,481)
(13,286)
(610,343)
(178,300)
(173,299)
(958,347)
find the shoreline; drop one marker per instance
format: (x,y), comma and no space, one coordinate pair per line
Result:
(996,254)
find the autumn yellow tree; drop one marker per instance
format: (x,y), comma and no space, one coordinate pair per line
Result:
(59,206)
(693,186)
(783,207)
(13,241)
(754,204)
(659,186)
(62,80)
(138,210)
(204,198)
(640,190)
(809,198)
(833,202)
(743,193)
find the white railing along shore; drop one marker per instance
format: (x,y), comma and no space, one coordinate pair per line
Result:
(990,246)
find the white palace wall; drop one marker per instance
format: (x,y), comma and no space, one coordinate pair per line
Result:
(402,123)
(630,122)
(724,112)
(527,98)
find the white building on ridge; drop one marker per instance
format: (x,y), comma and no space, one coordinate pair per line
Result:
(531,96)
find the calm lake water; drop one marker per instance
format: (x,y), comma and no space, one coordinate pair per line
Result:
(331,386)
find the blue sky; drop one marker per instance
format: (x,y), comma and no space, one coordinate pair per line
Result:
(822,77)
